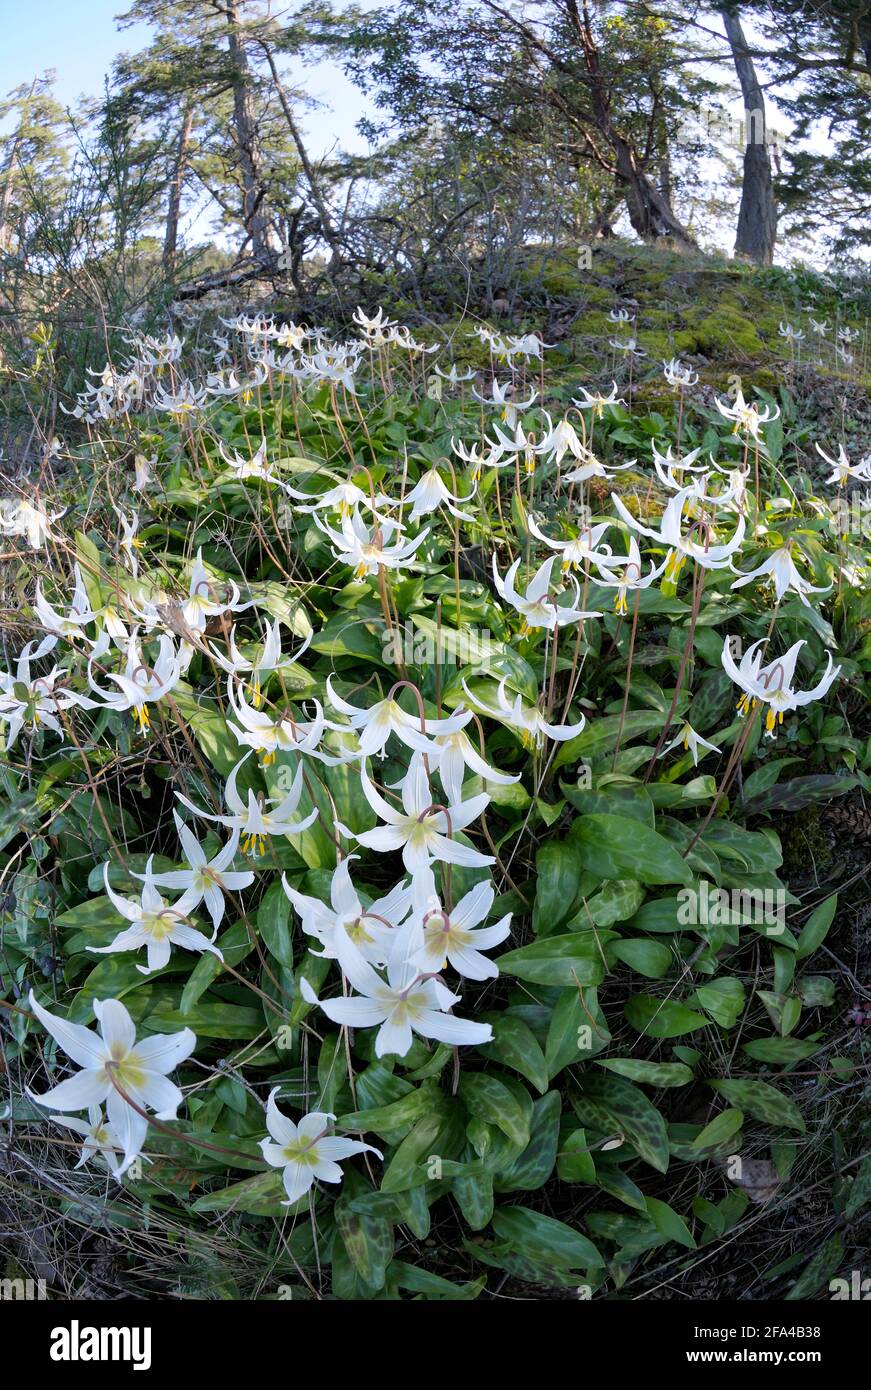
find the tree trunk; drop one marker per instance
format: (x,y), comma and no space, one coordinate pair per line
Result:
(757,216)
(254,214)
(173,211)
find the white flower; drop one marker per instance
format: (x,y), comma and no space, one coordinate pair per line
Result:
(456,937)
(581,549)
(344,498)
(80,612)
(143,468)
(33,701)
(186,400)
(141,685)
(155,924)
(255,823)
(596,402)
(268,659)
(561,438)
(370,928)
(678,375)
(843,471)
(502,398)
(98,1135)
(201,603)
(747,418)
(771,684)
(23,519)
(627,573)
(255,467)
(536,607)
(454,376)
(452,753)
(203,878)
(793,335)
(113,1062)
(129,544)
(431,492)
(593,467)
(272,736)
(692,742)
(421,833)
(375,325)
(375,724)
(306,1151)
(403,1004)
(780,568)
(364,548)
(528,720)
(695,545)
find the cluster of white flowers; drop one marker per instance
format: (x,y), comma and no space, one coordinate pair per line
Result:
(128,654)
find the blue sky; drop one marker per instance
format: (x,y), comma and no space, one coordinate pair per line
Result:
(79,39)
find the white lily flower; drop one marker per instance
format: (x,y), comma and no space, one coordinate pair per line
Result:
(24,519)
(678,375)
(403,1004)
(431,492)
(593,467)
(454,377)
(140,685)
(771,684)
(269,657)
(419,831)
(627,573)
(596,402)
(306,1151)
(27,700)
(201,603)
(111,1060)
(781,570)
(370,928)
(843,471)
(561,439)
(680,546)
(536,607)
(344,498)
(375,724)
(80,612)
(747,418)
(528,720)
(692,742)
(254,467)
(186,400)
(452,753)
(456,937)
(364,548)
(502,398)
(203,879)
(98,1135)
(129,544)
(155,924)
(268,736)
(477,460)
(581,550)
(522,444)
(253,822)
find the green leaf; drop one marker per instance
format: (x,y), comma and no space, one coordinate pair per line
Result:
(668,1223)
(532,1168)
(818,1271)
(859,1192)
(665,1074)
(545,1240)
(570,959)
(488,1098)
(515,1046)
(630,1112)
(620,847)
(649,958)
(720,1129)
(558,873)
(368,1241)
(762,1101)
(475,1199)
(661,1018)
(574,1160)
(723,999)
(813,933)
